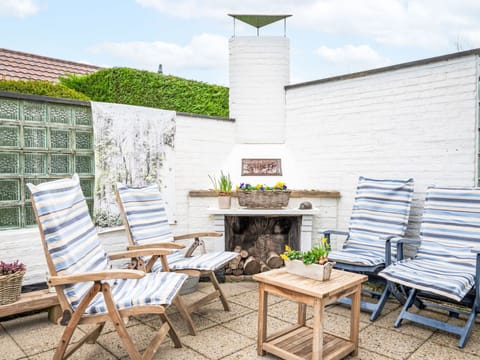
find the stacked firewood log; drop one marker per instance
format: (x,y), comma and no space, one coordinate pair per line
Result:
(262,256)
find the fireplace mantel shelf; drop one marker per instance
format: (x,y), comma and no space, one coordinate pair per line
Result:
(250,212)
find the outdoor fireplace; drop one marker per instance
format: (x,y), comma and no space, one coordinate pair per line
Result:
(260,235)
(259,241)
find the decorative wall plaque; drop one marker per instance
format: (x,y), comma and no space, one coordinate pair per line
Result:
(261,167)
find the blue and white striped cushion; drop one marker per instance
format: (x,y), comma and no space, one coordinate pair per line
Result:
(148,223)
(153,289)
(431,276)
(145,213)
(70,235)
(450,229)
(381,208)
(357,257)
(210,261)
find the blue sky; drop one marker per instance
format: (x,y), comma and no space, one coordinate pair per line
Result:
(190,37)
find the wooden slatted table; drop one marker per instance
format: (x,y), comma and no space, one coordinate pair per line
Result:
(301,341)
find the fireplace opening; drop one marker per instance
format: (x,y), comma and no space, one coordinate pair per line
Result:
(259,240)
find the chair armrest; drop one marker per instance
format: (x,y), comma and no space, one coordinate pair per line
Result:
(400,242)
(476,251)
(140,252)
(95,276)
(409,241)
(198,235)
(165,245)
(334,232)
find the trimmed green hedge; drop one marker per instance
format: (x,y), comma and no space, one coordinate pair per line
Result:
(38,87)
(144,88)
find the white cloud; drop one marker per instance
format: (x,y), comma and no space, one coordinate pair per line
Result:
(204,52)
(429,24)
(354,57)
(18,8)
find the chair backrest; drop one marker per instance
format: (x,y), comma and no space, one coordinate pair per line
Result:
(144,214)
(381,208)
(69,237)
(450,225)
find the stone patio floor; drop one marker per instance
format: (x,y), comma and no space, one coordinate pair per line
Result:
(232,335)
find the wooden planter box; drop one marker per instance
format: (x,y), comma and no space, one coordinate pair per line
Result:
(312,271)
(264,199)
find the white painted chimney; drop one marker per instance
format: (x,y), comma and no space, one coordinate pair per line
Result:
(259,70)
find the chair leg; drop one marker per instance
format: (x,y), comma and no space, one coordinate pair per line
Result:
(217,287)
(410,300)
(72,325)
(182,308)
(381,303)
(95,333)
(468,327)
(119,324)
(173,334)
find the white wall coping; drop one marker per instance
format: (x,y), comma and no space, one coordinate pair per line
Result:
(252,212)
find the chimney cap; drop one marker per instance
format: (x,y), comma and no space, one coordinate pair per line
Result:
(258,21)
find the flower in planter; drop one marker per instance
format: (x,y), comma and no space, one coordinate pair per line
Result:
(317,255)
(11,268)
(280,185)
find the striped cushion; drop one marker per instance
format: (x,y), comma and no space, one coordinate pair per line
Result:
(145,213)
(70,236)
(450,229)
(207,262)
(148,223)
(431,276)
(381,208)
(357,257)
(74,247)
(153,289)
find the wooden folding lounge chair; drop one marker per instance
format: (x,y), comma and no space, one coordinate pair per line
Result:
(447,264)
(89,291)
(144,216)
(380,213)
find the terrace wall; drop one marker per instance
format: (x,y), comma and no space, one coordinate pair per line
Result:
(413,121)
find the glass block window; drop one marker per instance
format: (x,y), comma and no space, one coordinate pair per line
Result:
(41,141)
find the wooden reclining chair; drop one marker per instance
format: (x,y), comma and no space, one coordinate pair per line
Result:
(446,268)
(380,213)
(144,216)
(89,291)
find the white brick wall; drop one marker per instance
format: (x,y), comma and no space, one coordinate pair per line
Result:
(415,122)
(202,147)
(259,70)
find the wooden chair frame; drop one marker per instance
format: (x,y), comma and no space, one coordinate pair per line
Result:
(71,319)
(185,309)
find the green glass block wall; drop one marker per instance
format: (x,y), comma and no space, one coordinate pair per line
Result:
(41,141)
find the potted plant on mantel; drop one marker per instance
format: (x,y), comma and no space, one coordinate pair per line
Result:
(223,187)
(313,263)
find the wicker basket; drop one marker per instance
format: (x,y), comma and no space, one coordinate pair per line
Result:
(266,199)
(10,287)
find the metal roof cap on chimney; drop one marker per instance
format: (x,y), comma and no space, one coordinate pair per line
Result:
(259,21)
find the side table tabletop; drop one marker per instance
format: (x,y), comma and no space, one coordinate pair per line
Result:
(301,341)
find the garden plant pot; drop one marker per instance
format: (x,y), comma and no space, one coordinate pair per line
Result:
(10,287)
(312,271)
(267,199)
(224,202)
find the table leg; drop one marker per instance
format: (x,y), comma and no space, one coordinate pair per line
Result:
(317,347)
(302,314)
(355,318)
(262,318)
